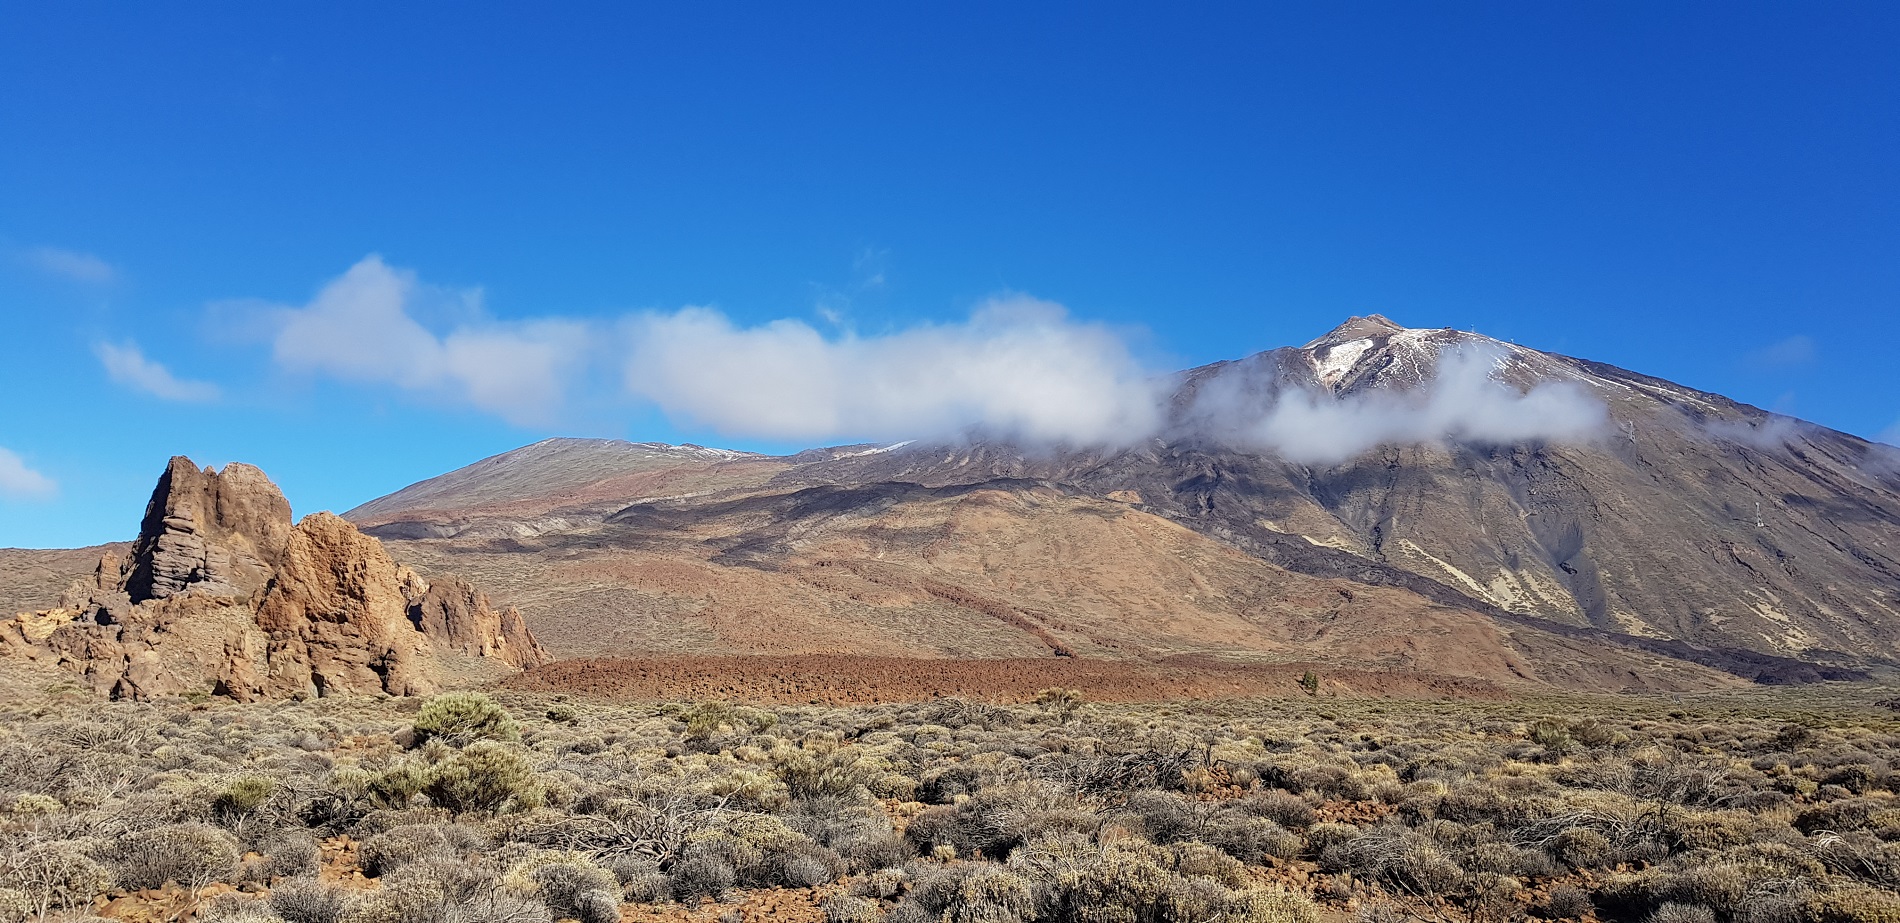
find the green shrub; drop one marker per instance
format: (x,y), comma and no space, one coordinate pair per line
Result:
(461,718)
(240,799)
(391,787)
(482,778)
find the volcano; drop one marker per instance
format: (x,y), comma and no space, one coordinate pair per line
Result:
(1428,500)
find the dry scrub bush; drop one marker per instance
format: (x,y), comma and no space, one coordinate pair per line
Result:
(305,900)
(1149,814)
(189,855)
(445,889)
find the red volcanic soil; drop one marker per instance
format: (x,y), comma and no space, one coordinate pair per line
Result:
(848,679)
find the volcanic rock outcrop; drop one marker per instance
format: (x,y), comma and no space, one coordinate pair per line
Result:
(221,593)
(209,533)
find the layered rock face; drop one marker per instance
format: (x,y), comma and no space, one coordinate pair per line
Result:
(223,594)
(209,533)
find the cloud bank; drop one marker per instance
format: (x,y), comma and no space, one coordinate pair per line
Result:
(1462,402)
(21,482)
(362,328)
(126,364)
(1019,368)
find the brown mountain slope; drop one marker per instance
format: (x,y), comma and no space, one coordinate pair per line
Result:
(1650,528)
(991,571)
(557,483)
(33,578)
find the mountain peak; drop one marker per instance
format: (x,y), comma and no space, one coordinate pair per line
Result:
(1359,328)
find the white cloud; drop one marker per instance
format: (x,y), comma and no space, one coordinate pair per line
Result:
(1019,367)
(1462,402)
(362,327)
(18,480)
(1890,435)
(127,365)
(1789,353)
(1768,432)
(71,264)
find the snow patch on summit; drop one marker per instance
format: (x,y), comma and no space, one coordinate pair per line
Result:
(1336,361)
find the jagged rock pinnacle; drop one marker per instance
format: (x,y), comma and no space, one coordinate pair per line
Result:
(223,594)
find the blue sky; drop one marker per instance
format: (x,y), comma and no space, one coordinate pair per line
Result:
(535,207)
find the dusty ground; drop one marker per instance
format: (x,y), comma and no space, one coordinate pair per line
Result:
(850,680)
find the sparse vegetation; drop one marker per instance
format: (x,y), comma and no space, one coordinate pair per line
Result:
(1742,810)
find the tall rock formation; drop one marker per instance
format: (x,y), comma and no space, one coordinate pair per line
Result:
(223,594)
(458,617)
(209,533)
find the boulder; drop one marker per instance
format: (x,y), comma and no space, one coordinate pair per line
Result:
(457,618)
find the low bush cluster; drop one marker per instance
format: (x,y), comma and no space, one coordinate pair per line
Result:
(478,809)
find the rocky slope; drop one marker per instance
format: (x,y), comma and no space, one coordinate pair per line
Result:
(222,594)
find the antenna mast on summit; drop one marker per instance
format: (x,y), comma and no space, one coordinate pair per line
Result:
(1758,522)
